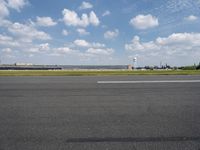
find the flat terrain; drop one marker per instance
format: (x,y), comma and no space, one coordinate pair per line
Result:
(95,72)
(89,113)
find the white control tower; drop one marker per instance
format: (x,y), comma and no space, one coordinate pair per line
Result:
(135,62)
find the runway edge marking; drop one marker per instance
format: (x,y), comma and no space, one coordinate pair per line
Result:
(159,81)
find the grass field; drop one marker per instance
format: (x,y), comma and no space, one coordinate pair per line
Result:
(95,72)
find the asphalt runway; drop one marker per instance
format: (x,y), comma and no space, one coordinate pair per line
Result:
(89,113)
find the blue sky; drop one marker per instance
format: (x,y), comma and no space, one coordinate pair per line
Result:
(100,32)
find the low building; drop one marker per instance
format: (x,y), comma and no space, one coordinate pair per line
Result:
(23,64)
(130,67)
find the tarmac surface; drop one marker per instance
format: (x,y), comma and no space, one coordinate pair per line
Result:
(86,113)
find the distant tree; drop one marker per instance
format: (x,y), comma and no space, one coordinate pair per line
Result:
(198,66)
(189,68)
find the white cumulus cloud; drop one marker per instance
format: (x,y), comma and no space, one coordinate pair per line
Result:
(92,51)
(191,18)
(86,5)
(111,34)
(136,45)
(81,43)
(3,9)
(7,41)
(106,13)
(94,20)
(7,50)
(82,31)
(65,32)
(17,4)
(22,38)
(35,48)
(84,43)
(71,18)
(97,45)
(100,51)
(27,32)
(45,21)
(63,51)
(5,5)
(144,21)
(44,47)
(174,44)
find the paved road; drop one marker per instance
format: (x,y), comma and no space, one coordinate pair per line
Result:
(62,113)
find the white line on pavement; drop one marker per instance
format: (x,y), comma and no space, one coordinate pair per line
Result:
(159,81)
